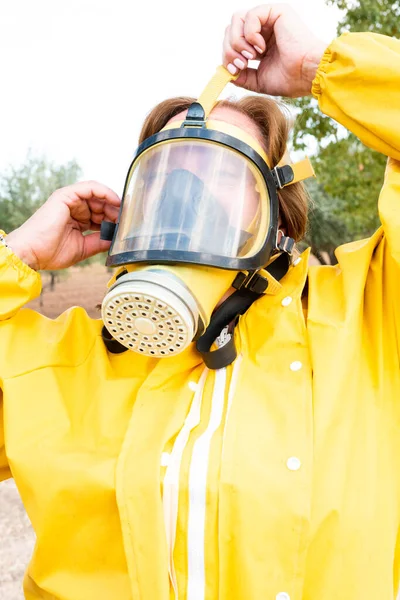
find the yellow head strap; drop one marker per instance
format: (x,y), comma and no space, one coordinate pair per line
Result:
(208,99)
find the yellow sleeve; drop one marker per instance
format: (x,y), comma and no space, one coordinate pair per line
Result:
(18,285)
(358,85)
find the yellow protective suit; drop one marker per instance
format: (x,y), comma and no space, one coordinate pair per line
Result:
(275,478)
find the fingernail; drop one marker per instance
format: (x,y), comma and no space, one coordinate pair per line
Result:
(259,50)
(239,63)
(232,70)
(247,55)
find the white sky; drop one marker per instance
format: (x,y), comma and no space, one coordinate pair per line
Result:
(78,76)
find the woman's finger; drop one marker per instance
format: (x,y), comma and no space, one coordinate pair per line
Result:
(248,80)
(237,40)
(102,210)
(233,61)
(88,190)
(259,25)
(92,245)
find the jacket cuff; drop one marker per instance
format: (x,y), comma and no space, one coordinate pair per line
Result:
(19,284)
(316,87)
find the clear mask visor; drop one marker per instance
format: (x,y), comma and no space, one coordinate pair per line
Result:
(194,196)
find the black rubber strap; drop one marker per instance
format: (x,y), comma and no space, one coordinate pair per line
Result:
(230,310)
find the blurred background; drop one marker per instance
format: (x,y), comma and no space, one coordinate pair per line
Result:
(77,80)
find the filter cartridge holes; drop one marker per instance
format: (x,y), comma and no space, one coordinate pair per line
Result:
(126,298)
(137,298)
(172,349)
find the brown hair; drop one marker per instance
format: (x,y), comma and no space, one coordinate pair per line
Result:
(274,126)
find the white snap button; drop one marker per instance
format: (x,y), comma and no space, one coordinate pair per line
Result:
(193,385)
(286,301)
(293,463)
(282,596)
(296,365)
(296,262)
(165,456)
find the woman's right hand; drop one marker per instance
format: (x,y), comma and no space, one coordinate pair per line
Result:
(53,236)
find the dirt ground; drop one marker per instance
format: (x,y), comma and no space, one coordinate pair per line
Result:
(83,286)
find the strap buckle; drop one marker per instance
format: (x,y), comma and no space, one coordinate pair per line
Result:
(253,281)
(282,176)
(285,244)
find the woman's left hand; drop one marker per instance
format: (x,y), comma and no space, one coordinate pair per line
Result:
(288,51)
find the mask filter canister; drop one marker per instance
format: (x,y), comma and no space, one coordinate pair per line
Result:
(152,312)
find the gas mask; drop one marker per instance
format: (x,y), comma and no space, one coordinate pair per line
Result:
(199,214)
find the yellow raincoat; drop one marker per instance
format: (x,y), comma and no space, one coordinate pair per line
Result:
(276,478)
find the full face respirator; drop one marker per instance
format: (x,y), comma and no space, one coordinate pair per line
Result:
(199,214)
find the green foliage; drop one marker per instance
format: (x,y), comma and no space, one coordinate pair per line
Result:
(326,230)
(25,188)
(379,16)
(353,174)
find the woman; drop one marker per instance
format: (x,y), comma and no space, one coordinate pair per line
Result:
(288,479)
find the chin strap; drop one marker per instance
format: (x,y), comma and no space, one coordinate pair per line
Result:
(249,289)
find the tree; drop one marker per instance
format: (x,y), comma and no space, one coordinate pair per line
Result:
(23,189)
(326,230)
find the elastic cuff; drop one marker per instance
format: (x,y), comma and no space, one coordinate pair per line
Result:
(321,71)
(9,259)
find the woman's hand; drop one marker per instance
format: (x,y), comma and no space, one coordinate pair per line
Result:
(53,236)
(288,51)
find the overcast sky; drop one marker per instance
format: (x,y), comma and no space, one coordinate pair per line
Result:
(79,76)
